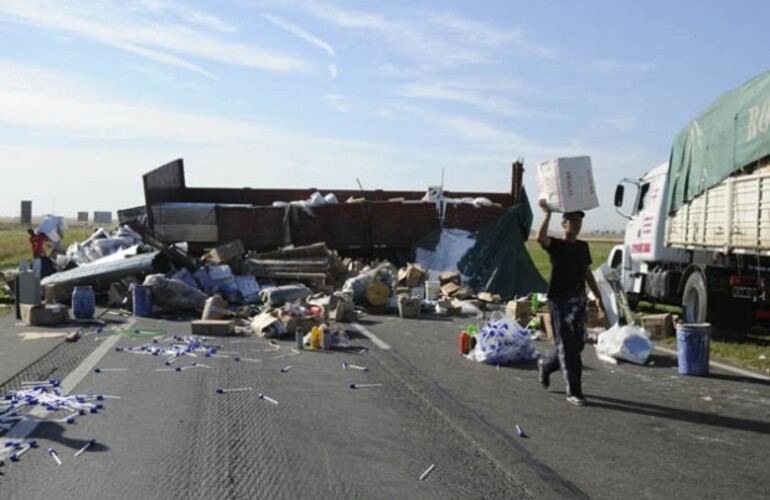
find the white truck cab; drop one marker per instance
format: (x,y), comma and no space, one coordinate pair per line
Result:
(643,248)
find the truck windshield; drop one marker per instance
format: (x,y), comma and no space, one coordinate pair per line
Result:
(644,196)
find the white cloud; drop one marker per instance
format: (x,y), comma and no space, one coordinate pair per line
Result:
(300,33)
(113,24)
(333,72)
(411,39)
(209,21)
(476,96)
(338,103)
(610,67)
(487,35)
(162,58)
(620,122)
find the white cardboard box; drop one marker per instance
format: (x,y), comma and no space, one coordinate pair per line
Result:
(567,184)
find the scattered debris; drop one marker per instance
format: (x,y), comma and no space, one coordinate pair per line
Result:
(425,474)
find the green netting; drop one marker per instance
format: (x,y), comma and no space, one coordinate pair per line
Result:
(499,262)
(733,132)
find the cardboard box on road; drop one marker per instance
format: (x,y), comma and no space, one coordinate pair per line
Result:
(212,327)
(660,326)
(409,307)
(44,314)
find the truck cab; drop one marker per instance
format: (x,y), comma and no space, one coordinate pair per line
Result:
(645,266)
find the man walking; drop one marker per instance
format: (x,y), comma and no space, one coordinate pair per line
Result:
(571,270)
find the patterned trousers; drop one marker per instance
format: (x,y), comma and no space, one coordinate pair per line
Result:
(569,332)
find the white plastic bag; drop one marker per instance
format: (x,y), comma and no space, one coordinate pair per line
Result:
(629,342)
(502,341)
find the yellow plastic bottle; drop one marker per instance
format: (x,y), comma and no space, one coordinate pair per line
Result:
(315,337)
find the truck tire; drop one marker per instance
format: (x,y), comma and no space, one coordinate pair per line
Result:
(695,299)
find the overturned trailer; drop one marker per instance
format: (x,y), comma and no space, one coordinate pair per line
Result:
(378,223)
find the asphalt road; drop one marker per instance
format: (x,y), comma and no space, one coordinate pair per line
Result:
(647,432)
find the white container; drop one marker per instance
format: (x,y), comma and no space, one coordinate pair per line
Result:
(432,290)
(567,184)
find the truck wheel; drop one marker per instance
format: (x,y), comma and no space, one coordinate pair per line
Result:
(695,299)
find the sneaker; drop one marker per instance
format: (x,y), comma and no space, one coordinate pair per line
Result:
(543,376)
(576,400)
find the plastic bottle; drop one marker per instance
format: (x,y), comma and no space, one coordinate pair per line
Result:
(315,338)
(299,339)
(465,342)
(326,339)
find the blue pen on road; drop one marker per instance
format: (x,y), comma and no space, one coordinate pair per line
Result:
(17,454)
(90,443)
(55,455)
(102,370)
(267,398)
(520,431)
(359,386)
(222,390)
(285,369)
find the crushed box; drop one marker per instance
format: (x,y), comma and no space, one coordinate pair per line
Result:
(226,252)
(212,327)
(409,307)
(520,310)
(660,326)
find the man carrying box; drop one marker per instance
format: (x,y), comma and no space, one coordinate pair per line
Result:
(571,271)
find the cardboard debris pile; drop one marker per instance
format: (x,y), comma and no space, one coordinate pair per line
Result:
(286,292)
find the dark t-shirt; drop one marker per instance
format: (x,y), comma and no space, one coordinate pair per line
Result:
(569,261)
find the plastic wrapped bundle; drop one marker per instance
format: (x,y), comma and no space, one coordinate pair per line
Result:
(279,295)
(358,286)
(173,294)
(502,342)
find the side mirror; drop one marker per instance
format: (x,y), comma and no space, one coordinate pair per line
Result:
(619,195)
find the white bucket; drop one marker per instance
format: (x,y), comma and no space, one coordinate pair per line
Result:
(432,290)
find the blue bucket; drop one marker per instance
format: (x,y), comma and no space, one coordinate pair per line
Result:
(142,298)
(83,302)
(692,342)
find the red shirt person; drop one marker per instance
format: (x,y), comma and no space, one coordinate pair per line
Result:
(37,240)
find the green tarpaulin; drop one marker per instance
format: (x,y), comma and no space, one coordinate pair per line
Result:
(499,262)
(733,132)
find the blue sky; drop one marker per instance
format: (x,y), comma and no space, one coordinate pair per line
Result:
(303,93)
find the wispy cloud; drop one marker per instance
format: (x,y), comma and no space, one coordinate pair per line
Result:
(184,12)
(114,24)
(487,35)
(620,122)
(300,33)
(333,72)
(429,45)
(338,103)
(479,96)
(610,67)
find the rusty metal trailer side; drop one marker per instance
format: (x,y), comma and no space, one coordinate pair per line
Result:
(212,216)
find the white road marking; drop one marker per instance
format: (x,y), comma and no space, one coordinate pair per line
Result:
(374,338)
(38,413)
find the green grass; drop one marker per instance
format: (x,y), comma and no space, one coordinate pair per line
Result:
(14,247)
(14,244)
